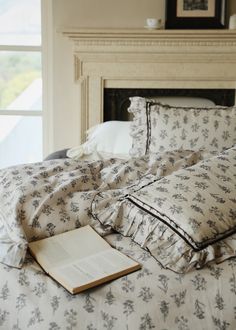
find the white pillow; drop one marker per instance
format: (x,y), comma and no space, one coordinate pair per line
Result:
(184,101)
(105,140)
(112,138)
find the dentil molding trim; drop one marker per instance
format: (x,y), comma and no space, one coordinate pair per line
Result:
(136,37)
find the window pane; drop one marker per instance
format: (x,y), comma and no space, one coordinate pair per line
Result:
(20,140)
(20,81)
(20,22)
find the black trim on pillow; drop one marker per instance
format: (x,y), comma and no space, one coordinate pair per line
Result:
(151,103)
(196,246)
(149,123)
(136,203)
(149,131)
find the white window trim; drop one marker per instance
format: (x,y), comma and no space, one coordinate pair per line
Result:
(47,75)
(21,48)
(29,113)
(46,49)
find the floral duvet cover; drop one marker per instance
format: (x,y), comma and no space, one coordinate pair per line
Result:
(47,198)
(152,298)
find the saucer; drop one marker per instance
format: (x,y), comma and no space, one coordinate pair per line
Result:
(154,27)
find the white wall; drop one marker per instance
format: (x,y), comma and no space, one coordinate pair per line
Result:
(106,13)
(89,13)
(86,13)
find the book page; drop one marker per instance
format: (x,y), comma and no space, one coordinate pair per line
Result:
(63,248)
(92,268)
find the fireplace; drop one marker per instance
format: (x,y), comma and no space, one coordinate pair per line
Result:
(116,100)
(172,60)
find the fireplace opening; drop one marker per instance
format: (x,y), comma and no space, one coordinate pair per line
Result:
(116,100)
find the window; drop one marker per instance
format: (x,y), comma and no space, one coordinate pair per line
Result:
(20,82)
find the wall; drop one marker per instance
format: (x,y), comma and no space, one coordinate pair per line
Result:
(89,13)
(232,7)
(111,13)
(106,13)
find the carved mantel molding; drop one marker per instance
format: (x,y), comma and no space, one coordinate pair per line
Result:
(84,38)
(140,58)
(122,34)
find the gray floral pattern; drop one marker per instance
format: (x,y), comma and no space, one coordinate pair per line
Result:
(43,199)
(152,298)
(157,127)
(185,219)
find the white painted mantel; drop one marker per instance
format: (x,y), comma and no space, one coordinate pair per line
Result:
(131,58)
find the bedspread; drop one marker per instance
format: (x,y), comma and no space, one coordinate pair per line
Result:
(152,298)
(47,198)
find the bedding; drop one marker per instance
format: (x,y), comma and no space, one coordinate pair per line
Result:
(152,298)
(104,141)
(46,198)
(183,101)
(49,198)
(185,219)
(57,154)
(169,292)
(157,127)
(113,138)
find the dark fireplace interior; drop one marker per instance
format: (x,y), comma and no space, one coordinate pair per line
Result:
(116,100)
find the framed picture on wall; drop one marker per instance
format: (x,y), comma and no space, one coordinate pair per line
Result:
(195,14)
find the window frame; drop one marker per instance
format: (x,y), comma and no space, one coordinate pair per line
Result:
(47,32)
(46,50)
(14,48)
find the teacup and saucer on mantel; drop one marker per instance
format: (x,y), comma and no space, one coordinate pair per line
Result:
(153,23)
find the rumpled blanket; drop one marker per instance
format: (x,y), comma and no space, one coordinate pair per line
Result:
(47,198)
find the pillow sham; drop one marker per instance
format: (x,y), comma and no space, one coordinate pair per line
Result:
(105,140)
(158,127)
(186,219)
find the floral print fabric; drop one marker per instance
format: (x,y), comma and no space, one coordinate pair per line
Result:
(157,127)
(152,298)
(185,219)
(45,199)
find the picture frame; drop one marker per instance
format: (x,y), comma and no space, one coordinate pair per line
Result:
(195,14)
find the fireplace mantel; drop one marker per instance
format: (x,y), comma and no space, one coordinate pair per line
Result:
(140,58)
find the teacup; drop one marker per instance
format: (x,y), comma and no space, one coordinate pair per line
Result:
(153,22)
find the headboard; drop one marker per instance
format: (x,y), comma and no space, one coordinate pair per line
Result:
(116,100)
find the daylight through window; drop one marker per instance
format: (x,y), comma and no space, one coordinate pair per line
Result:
(20,82)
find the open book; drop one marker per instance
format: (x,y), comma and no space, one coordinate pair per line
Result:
(81,259)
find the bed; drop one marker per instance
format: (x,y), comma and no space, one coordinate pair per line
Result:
(164,196)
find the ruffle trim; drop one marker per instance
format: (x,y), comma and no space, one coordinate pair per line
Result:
(138,127)
(166,246)
(87,148)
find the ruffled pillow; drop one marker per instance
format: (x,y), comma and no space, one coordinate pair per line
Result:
(190,215)
(158,127)
(186,219)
